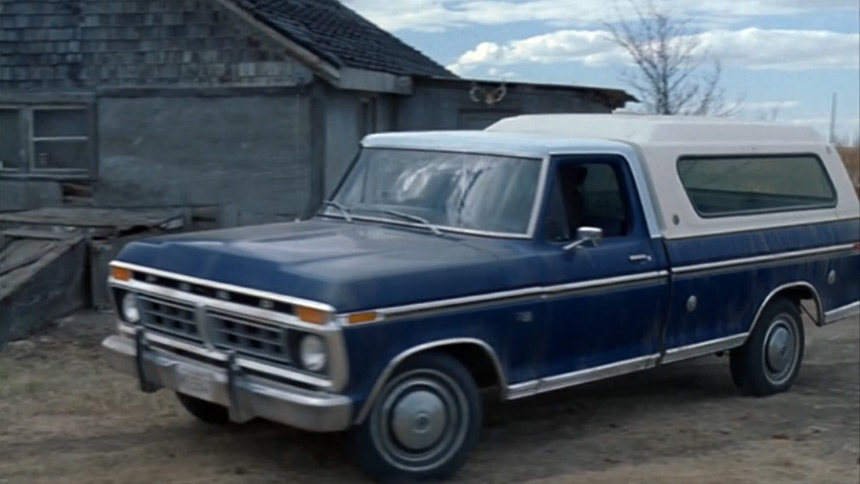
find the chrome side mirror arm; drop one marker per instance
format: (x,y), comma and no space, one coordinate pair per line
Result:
(586,236)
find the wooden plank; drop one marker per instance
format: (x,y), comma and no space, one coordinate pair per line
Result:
(36,234)
(119,220)
(33,296)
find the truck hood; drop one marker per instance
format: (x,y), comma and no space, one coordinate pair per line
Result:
(351,266)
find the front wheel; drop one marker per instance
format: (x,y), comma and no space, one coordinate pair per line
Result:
(769,361)
(422,424)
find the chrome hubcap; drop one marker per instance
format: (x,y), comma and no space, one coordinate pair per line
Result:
(421,421)
(418,420)
(780,352)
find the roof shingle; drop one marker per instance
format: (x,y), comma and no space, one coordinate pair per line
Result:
(342,37)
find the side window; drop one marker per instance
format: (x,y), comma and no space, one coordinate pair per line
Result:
(45,140)
(742,185)
(587,195)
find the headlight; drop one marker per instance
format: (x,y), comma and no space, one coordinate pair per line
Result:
(312,353)
(129,308)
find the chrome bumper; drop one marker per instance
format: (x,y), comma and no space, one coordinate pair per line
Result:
(245,396)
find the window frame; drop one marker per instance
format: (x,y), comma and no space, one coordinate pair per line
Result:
(623,176)
(28,140)
(747,213)
(19,135)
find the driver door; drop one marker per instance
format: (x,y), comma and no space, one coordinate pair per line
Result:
(607,300)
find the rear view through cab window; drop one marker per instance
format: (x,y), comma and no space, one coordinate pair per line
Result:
(723,186)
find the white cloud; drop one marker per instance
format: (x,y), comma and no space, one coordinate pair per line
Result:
(440,15)
(787,50)
(752,48)
(769,105)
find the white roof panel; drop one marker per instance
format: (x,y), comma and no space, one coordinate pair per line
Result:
(644,130)
(532,145)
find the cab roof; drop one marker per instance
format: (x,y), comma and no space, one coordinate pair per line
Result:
(527,145)
(647,129)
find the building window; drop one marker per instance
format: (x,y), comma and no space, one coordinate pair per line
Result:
(745,185)
(11,146)
(51,141)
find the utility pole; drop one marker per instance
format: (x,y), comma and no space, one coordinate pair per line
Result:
(833,119)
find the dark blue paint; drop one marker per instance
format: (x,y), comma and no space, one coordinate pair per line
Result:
(361,265)
(596,327)
(729,298)
(352,266)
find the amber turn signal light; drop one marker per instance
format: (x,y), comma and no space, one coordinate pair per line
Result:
(120,273)
(310,315)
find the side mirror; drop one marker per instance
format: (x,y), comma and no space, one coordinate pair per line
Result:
(586,236)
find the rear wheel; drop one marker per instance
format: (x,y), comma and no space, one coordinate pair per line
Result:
(208,412)
(769,361)
(423,423)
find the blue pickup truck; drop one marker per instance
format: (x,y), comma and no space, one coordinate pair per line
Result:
(544,252)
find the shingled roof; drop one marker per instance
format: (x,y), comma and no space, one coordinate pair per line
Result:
(342,37)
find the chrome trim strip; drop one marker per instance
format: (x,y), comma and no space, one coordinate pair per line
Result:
(540,193)
(392,365)
(240,310)
(783,287)
(597,373)
(538,291)
(696,350)
(843,312)
(521,390)
(579,377)
(217,355)
(226,287)
(761,258)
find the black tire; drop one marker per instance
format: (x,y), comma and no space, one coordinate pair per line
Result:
(208,412)
(390,449)
(770,360)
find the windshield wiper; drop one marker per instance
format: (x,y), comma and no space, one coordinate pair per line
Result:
(345,211)
(407,216)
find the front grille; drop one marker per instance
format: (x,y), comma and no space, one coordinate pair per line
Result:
(169,317)
(249,337)
(211,292)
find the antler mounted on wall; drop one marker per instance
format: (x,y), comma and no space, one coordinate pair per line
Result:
(489,96)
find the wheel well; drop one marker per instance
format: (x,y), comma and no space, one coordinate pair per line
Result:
(477,360)
(807,300)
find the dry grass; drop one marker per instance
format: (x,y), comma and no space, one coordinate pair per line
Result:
(851,158)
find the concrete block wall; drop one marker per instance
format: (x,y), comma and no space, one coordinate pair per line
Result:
(251,154)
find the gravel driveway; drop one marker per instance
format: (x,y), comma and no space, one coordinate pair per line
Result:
(66,418)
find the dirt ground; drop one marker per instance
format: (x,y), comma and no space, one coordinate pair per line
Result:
(66,418)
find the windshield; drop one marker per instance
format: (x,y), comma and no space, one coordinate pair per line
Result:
(471,191)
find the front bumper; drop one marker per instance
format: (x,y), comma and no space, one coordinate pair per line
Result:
(246,396)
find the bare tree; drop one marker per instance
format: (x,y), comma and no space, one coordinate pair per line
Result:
(672,73)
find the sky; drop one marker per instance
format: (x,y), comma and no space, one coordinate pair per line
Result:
(781,59)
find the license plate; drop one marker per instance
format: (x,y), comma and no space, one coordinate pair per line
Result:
(195,382)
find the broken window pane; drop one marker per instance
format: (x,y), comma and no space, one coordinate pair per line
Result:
(50,123)
(10,140)
(51,155)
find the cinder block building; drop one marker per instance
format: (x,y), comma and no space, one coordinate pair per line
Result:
(251,107)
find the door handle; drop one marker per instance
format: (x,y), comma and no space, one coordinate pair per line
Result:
(640,258)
